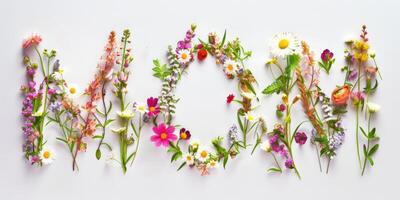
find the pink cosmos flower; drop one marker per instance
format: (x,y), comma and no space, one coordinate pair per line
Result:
(163,135)
(154,108)
(34,39)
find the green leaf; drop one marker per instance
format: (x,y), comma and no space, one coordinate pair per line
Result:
(62,140)
(130,156)
(365,150)
(363,132)
(240,121)
(226,158)
(98,154)
(108,122)
(373,150)
(293,61)
(273,169)
(180,167)
(371,134)
(223,40)
(371,161)
(160,71)
(176,156)
(276,87)
(97,137)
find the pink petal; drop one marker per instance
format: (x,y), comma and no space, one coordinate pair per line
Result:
(170,129)
(154,138)
(165,143)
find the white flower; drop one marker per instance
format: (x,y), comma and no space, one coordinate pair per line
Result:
(47,156)
(373,107)
(126,114)
(230,67)
(349,39)
(184,56)
(188,158)
(284,44)
(57,76)
(250,117)
(72,91)
(141,108)
(212,164)
(203,153)
(266,146)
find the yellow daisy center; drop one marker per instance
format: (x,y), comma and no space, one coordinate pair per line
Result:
(230,67)
(152,109)
(189,158)
(183,135)
(72,90)
(184,56)
(204,154)
(46,154)
(163,136)
(283,44)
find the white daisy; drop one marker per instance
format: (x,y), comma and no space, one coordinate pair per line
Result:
(184,56)
(47,156)
(188,158)
(373,107)
(72,91)
(203,153)
(284,44)
(230,67)
(141,108)
(212,164)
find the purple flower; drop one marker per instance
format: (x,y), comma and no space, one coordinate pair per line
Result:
(353,75)
(289,163)
(55,106)
(300,137)
(326,55)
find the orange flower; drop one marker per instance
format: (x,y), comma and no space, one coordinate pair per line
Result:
(340,95)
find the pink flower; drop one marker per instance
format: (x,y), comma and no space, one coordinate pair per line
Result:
(34,39)
(300,137)
(230,98)
(326,55)
(154,108)
(163,135)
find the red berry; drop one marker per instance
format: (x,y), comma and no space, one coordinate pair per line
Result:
(201,54)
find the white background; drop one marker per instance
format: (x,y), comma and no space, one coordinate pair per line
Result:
(78,30)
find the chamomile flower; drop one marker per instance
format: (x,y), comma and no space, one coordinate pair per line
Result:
(188,158)
(250,117)
(230,67)
(284,44)
(203,153)
(47,156)
(184,56)
(212,164)
(72,91)
(141,108)
(373,107)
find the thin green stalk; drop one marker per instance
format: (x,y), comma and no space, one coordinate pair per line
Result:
(357,117)
(368,144)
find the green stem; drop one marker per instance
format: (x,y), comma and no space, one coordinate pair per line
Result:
(368,144)
(357,117)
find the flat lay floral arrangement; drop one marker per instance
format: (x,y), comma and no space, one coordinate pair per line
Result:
(103,111)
